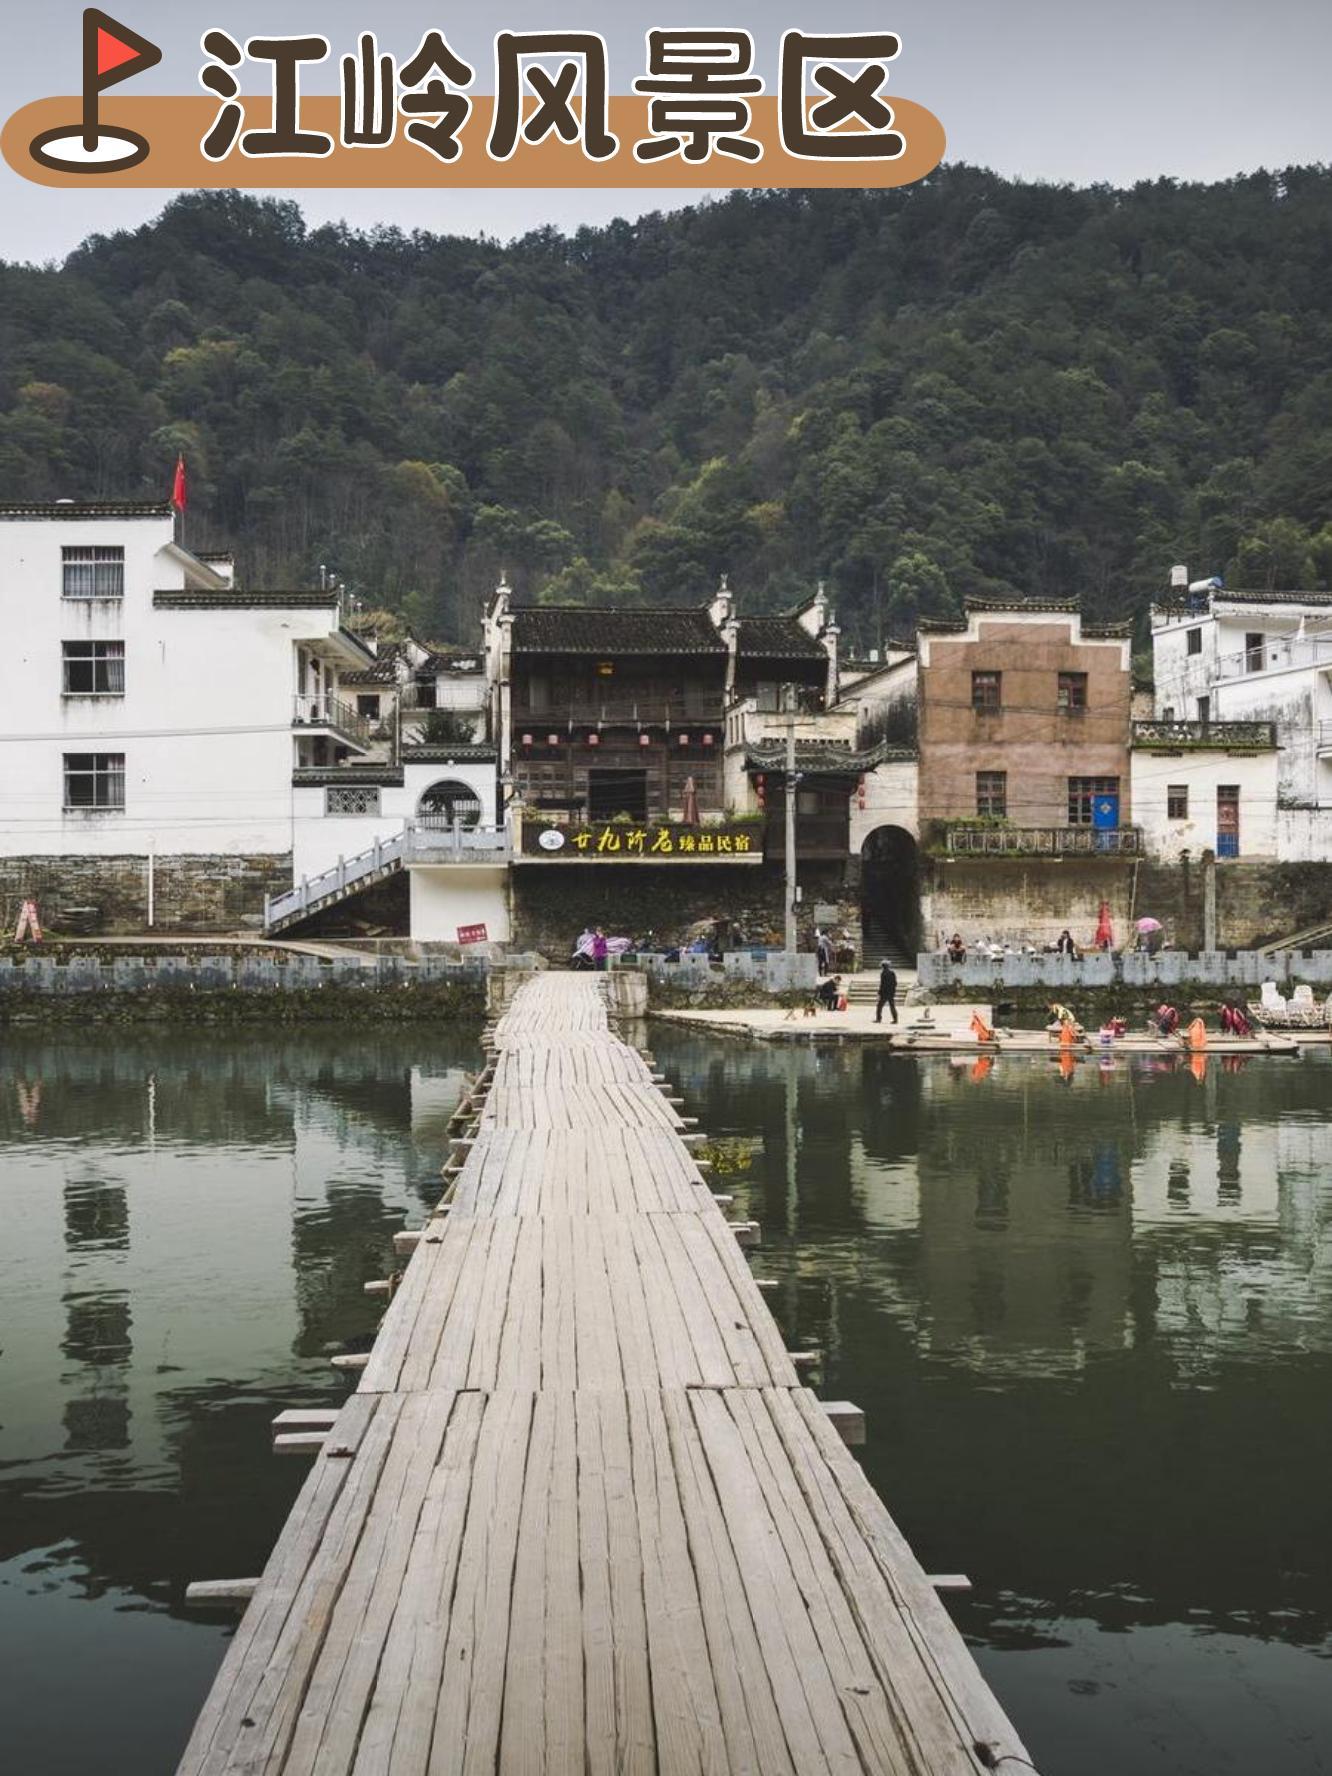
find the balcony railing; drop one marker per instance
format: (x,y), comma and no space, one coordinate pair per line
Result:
(321,710)
(1232,736)
(441,842)
(1044,841)
(621,711)
(465,694)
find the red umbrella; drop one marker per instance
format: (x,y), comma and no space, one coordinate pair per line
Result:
(689,812)
(1105,937)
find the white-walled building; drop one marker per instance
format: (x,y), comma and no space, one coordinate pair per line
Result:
(152,709)
(434,815)
(1205,787)
(408,689)
(1257,656)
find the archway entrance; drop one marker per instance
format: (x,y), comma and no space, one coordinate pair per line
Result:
(890,894)
(447,801)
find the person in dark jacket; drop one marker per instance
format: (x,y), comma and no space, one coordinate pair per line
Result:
(887,991)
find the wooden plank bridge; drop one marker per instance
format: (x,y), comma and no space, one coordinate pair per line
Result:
(580,1516)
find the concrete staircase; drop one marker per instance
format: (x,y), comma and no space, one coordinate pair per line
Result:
(351,875)
(1316,937)
(863,988)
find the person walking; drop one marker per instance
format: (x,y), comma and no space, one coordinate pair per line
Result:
(887,991)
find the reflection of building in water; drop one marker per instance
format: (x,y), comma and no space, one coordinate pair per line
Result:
(886,1192)
(183,1221)
(1212,1173)
(1233,1217)
(1025,1257)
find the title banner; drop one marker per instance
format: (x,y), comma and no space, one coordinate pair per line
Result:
(405,117)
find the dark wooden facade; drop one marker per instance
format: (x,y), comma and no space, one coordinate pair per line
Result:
(614,711)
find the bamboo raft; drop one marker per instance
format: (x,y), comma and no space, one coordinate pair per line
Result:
(580,1516)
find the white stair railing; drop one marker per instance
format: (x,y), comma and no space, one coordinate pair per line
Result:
(312,891)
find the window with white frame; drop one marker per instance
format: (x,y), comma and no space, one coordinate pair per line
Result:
(94,782)
(96,571)
(351,798)
(93,668)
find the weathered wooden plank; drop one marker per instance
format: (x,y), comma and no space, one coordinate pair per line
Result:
(755,1741)
(685,1711)
(342,1680)
(617,1681)
(854,1682)
(400,1724)
(471,1693)
(543,1685)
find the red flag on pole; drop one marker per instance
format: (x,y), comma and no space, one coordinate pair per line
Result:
(178,485)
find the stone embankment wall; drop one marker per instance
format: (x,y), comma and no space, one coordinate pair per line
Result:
(190,893)
(242,986)
(1032,899)
(1171,968)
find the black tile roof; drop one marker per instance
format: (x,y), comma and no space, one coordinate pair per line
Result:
(1228,596)
(775,638)
(224,598)
(10,509)
(464,753)
(1024,607)
(1060,606)
(382,670)
(569,629)
(822,758)
(353,776)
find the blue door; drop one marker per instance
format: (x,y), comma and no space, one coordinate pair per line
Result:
(1105,818)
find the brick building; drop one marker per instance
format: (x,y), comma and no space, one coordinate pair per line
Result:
(1024,720)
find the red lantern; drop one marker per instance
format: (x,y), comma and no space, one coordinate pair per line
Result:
(761,789)
(645,739)
(527,739)
(860,794)
(684,739)
(552,739)
(707,739)
(594,739)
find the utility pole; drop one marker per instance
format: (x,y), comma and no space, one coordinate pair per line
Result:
(790,695)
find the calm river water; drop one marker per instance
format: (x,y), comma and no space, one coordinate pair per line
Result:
(1090,1323)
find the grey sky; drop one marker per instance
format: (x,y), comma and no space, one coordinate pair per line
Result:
(1051,89)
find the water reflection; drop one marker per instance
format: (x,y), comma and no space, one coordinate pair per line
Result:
(1089,1314)
(187,1224)
(1088,1311)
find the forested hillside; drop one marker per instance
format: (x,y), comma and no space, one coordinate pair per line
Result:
(967,386)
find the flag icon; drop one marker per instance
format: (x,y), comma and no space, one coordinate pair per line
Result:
(111,52)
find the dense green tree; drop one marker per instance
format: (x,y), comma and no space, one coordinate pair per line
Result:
(967,386)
